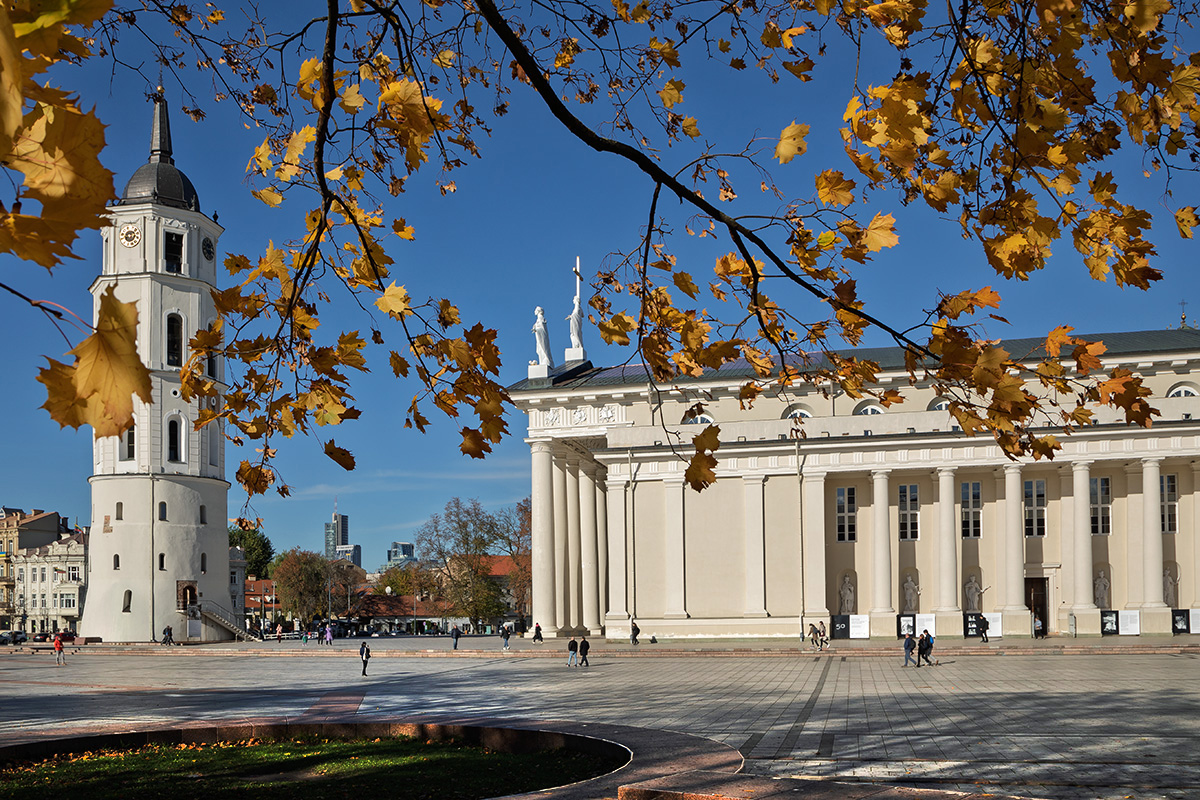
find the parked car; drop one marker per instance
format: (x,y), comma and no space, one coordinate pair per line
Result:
(67,636)
(18,636)
(5,638)
(42,637)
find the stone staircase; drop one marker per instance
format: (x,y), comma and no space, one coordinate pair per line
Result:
(226,619)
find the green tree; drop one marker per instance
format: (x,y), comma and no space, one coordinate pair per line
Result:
(1026,126)
(302,583)
(257,547)
(408,579)
(514,538)
(457,544)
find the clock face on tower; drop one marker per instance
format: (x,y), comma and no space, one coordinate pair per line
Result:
(206,247)
(130,235)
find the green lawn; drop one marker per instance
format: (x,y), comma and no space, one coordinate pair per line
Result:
(395,769)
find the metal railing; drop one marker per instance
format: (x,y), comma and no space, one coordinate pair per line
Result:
(226,619)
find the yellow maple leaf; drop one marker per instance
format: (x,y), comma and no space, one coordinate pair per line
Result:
(340,455)
(297,142)
(834,189)
(1185,220)
(880,233)
(689,127)
(106,375)
(394,301)
(672,93)
(269,195)
(1144,14)
(685,283)
(791,142)
(352,99)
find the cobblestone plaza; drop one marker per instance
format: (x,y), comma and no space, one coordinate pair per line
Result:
(1054,726)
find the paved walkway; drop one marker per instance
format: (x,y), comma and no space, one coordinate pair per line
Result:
(1025,723)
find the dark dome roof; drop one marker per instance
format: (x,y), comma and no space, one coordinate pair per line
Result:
(159,180)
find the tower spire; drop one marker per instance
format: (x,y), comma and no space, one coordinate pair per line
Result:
(160,134)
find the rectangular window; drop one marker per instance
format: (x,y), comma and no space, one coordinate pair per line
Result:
(54,600)
(126,447)
(173,253)
(72,573)
(43,601)
(1035,508)
(1101,507)
(68,601)
(972,510)
(232,577)
(909,508)
(1168,486)
(20,574)
(43,575)
(847,515)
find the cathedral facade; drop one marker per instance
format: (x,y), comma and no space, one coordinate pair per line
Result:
(159,549)
(873,520)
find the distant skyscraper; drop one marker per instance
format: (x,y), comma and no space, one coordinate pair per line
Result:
(399,554)
(337,534)
(350,552)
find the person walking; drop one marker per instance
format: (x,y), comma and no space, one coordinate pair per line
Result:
(364,652)
(983,628)
(329,635)
(279,633)
(572,653)
(1039,630)
(454,634)
(634,630)
(824,632)
(814,638)
(910,644)
(505,632)
(584,647)
(60,658)
(537,634)
(925,649)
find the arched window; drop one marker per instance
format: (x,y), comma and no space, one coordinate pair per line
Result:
(699,419)
(174,340)
(162,511)
(173,450)
(127,602)
(1184,390)
(126,449)
(868,408)
(203,515)
(120,511)
(797,411)
(162,561)
(116,561)
(939,404)
(203,563)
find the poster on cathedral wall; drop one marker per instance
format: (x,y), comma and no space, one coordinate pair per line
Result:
(1129,623)
(1108,622)
(925,622)
(995,625)
(1180,621)
(1195,619)
(860,626)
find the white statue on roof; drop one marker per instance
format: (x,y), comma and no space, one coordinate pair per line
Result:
(576,352)
(541,338)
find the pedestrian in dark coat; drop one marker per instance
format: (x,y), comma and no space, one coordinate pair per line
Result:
(572,653)
(910,644)
(364,652)
(634,630)
(454,634)
(584,646)
(925,648)
(983,629)
(537,633)
(504,634)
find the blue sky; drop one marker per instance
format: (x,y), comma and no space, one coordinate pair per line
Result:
(504,243)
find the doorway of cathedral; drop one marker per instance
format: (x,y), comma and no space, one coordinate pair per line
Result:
(1037,599)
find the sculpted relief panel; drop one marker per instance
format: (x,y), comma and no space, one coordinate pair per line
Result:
(581,416)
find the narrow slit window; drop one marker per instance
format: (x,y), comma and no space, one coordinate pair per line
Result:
(120,513)
(173,441)
(203,515)
(162,511)
(127,602)
(116,561)
(127,448)
(162,561)
(203,563)
(174,340)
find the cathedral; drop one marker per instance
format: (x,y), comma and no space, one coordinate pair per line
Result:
(877,521)
(159,548)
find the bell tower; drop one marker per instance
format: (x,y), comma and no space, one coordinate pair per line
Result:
(159,544)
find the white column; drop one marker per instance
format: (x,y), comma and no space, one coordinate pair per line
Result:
(1081,501)
(1135,541)
(602,543)
(812,540)
(755,547)
(618,568)
(1066,529)
(561,556)
(1014,540)
(1152,559)
(1191,582)
(590,556)
(542,534)
(574,546)
(881,549)
(673,549)
(947,544)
